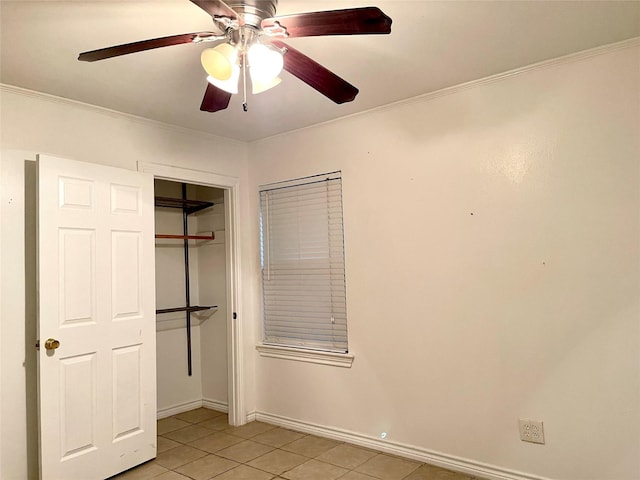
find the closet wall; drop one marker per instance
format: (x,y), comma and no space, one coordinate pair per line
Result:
(177,390)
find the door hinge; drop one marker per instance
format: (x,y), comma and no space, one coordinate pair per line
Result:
(235,315)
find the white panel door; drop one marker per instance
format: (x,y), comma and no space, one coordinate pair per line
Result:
(97,388)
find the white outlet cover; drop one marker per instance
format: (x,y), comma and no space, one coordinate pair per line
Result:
(531,431)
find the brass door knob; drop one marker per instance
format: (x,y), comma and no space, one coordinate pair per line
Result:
(51,344)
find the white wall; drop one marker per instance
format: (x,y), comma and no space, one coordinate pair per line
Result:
(212,291)
(493,252)
(175,387)
(18,405)
(37,124)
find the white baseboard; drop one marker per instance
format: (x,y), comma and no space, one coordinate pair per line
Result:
(205,402)
(215,405)
(185,407)
(443,460)
(181,408)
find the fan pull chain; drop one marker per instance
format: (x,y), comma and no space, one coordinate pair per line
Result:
(244,83)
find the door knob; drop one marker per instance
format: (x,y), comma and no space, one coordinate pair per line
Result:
(51,344)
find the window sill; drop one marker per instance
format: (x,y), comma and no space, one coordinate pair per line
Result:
(312,356)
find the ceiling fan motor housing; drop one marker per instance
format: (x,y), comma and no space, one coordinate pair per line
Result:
(254,11)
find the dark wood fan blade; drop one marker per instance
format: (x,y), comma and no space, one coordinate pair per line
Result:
(316,76)
(216,8)
(215,99)
(134,47)
(351,21)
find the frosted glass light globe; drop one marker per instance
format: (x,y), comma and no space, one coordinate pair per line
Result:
(218,62)
(265,63)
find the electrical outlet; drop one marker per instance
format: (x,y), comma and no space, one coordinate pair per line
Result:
(531,431)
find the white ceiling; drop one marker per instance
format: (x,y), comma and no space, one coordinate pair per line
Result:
(433,45)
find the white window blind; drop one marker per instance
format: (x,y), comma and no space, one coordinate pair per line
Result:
(303,273)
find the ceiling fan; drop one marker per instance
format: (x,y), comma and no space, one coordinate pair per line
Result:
(250,38)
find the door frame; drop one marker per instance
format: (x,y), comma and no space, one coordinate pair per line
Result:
(231,187)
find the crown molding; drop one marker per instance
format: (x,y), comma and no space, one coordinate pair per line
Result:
(426,97)
(566,59)
(25,92)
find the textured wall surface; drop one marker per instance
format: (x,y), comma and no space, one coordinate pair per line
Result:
(492,238)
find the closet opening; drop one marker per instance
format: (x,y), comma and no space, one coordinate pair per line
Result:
(191,310)
(198,329)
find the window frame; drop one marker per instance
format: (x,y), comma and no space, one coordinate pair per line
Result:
(321,351)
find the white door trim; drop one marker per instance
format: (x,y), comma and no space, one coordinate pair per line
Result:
(231,186)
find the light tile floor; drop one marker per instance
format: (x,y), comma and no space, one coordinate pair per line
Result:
(201,445)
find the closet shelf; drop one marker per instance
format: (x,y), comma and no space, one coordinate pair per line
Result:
(189,206)
(188,237)
(185,309)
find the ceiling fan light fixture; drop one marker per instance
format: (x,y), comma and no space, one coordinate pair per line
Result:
(219,61)
(265,63)
(229,85)
(259,87)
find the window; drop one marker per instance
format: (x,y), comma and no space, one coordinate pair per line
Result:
(302,256)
